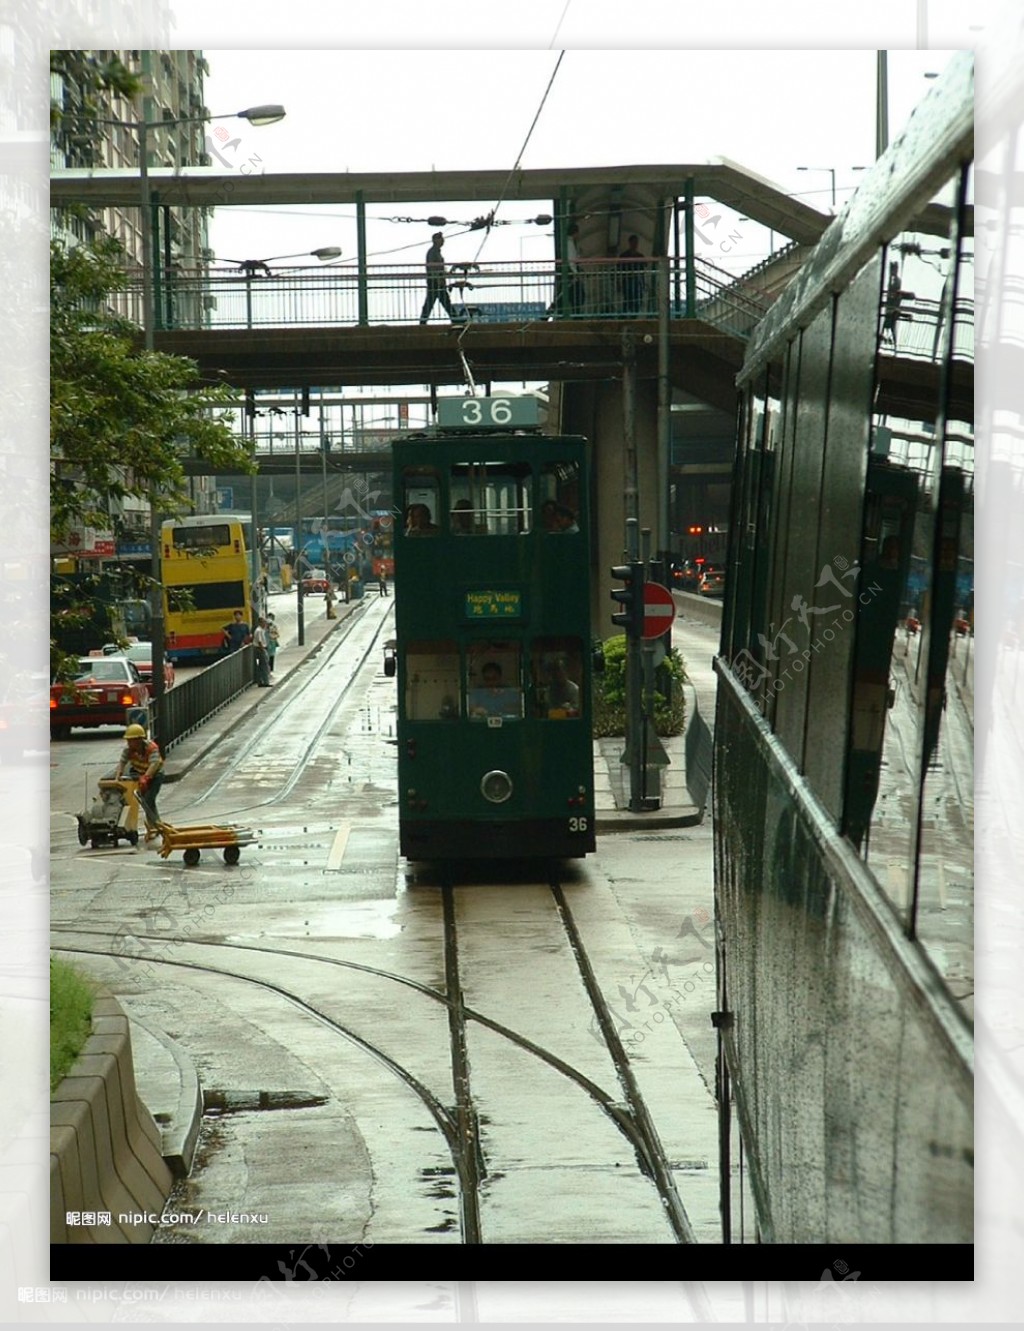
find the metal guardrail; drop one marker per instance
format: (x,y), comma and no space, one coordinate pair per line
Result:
(492,293)
(916,330)
(189,704)
(699,755)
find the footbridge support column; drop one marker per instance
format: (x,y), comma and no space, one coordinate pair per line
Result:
(598,412)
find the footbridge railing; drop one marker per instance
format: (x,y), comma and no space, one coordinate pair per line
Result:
(512,292)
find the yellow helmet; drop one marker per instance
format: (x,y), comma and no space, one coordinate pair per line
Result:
(135,732)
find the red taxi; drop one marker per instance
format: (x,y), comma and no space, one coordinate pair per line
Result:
(103,688)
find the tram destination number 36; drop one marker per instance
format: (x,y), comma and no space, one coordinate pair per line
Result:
(476,413)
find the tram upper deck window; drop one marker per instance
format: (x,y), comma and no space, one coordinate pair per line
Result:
(559,497)
(490,498)
(421,501)
(493,692)
(432,681)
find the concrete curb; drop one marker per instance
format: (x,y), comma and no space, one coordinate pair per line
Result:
(167,1082)
(105,1150)
(657,820)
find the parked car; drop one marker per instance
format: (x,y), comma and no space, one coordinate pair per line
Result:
(103,689)
(141,653)
(712,582)
(315,580)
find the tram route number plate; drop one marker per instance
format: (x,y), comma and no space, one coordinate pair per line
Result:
(476,413)
(494,605)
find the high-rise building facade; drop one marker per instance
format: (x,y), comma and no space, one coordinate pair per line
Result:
(99,129)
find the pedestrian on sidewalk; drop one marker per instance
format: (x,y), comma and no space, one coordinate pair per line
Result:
(259,643)
(273,640)
(237,633)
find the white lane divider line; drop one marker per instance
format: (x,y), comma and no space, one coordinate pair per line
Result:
(337,851)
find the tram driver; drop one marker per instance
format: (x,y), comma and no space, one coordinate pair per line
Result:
(495,698)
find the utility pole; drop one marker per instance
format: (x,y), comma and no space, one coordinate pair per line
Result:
(300,613)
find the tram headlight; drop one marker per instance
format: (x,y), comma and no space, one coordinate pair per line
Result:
(496,786)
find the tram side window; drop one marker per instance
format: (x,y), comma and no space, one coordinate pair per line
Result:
(556,669)
(559,497)
(421,501)
(432,681)
(490,498)
(493,691)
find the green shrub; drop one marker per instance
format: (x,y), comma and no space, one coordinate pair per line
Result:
(71,996)
(610,692)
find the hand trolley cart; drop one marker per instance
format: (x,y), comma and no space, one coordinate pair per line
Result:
(193,840)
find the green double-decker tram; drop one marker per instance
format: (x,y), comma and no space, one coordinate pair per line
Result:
(492,653)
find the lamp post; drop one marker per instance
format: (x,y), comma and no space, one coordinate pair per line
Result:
(832,172)
(256,116)
(250,267)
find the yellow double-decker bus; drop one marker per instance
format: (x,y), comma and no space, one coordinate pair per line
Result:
(206,578)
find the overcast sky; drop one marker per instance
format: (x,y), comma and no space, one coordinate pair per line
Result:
(445,110)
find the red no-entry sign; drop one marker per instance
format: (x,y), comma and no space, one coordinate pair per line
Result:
(659,610)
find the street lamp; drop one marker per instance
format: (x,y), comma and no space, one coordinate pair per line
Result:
(256,116)
(250,267)
(832,172)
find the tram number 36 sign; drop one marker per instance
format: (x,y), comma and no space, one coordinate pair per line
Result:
(659,610)
(487,413)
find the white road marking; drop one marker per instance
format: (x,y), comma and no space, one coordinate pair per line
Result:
(337,851)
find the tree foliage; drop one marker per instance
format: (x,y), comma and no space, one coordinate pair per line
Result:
(121,419)
(610,692)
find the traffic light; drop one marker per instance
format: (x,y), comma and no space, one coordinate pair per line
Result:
(630,597)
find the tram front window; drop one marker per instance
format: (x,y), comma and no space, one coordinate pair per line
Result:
(559,497)
(492,683)
(432,681)
(421,501)
(490,498)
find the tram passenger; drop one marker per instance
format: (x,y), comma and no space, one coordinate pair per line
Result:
(563,695)
(496,698)
(419,522)
(564,520)
(462,518)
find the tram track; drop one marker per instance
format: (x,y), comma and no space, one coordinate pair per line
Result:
(294,693)
(456,1115)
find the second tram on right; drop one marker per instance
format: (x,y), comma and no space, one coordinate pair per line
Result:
(843,770)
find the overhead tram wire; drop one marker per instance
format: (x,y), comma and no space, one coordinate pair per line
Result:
(493,213)
(558,25)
